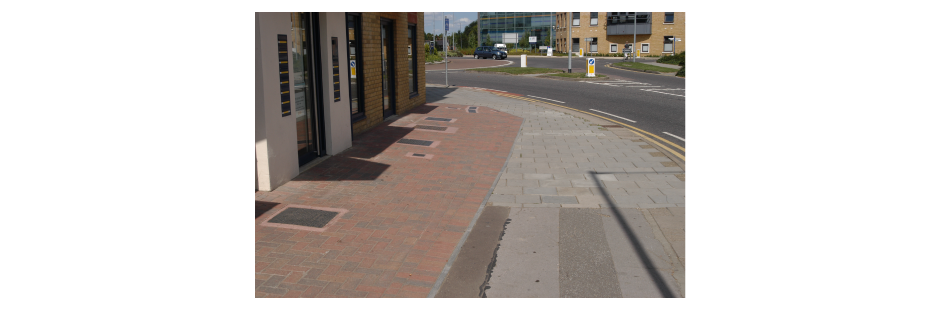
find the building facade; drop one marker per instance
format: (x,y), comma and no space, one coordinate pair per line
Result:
(323,78)
(657,33)
(495,26)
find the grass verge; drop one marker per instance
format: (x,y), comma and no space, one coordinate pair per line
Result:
(643,66)
(517,70)
(575,75)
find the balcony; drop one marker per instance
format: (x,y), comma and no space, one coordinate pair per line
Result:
(627,29)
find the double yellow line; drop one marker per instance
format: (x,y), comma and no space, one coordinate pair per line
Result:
(635,129)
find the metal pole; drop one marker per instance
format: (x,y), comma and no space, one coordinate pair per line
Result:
(444,37)
(569,41)
(634,36)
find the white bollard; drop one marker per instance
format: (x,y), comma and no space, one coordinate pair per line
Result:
(523,61)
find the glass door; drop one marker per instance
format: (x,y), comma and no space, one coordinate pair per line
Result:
(388,71)
(308,116)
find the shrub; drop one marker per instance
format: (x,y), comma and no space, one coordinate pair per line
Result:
(681,72)
(673,59)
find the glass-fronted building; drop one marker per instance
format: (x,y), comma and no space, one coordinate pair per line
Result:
(496,25)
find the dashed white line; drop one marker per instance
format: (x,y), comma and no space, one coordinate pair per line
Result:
(658,91)
(677,137)
(557,101)
(615,116)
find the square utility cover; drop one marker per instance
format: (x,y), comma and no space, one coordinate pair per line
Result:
(304,217)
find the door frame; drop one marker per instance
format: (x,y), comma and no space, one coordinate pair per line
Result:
(390,58)
(312,20)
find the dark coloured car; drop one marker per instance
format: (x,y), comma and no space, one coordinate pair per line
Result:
(489,51)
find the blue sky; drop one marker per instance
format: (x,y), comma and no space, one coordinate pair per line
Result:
(434,23)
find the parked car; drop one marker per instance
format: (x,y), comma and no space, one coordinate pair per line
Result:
(488,52)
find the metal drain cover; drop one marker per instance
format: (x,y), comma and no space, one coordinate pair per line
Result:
(304,217)
(433,128)
(418,154)
(437,119)
(415,142)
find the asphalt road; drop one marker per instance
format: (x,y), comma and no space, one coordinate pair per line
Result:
(655,102)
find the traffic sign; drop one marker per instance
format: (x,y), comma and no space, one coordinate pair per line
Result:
(446,24)
(532,39)
(590,67)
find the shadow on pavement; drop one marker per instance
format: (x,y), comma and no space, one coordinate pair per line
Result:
(435,94)
(262,207)
(353,164)
(634,241)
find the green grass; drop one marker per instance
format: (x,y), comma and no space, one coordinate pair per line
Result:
(575,75)
(432,58)
(517,70)
(643,66)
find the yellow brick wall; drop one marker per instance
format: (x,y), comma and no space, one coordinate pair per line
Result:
(372,70)
(655,40)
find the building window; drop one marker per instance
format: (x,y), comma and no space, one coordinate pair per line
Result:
(667,44)
(354,49)
(593,45)
(576,19)
(670,18)
(575,45)
(644,47)
(593,18)
(613,48)
(412,64)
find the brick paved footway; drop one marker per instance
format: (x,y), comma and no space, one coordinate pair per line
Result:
(405,215)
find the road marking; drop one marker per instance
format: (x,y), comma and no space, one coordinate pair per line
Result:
(677,137)
(616,116)
(658,91)
(637,131)
(558,101)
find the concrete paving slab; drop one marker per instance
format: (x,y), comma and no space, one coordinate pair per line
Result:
(527,253)
(585,264)
(642,266)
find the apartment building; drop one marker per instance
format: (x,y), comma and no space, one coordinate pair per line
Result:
(323,78)
(657,33)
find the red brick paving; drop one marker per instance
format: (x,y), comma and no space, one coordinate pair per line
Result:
(406,215)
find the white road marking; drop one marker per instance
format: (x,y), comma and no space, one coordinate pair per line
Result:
(658,91)
(557,101)
(616,116)
(677,137)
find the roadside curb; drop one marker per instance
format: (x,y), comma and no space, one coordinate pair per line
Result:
(643,71)
(546,76)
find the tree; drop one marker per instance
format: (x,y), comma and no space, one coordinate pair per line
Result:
(487,40)
(428,36)
(524,41)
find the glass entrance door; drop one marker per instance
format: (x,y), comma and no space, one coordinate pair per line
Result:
(308,112)
(388,71)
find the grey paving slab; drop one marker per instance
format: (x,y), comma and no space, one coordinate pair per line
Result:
(560,199)
(668,170)
(520,170)
(574,191)
(643,267)
(583,183)
(554,183)
(585,264)
(535,165)
(564,165)
(639,169)
(541,190)
(591,199)
(522,183)
(527,198)
(553,170)
(555,205)
(537,176)
(507,175)
(569,176)
(547,160)
(653,184)
(507,190)
(527,253)
(502,198)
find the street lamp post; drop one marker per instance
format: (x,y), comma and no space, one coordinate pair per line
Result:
(569,40)
(634,35)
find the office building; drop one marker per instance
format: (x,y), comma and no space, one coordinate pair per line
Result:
(500,27)
(657,33)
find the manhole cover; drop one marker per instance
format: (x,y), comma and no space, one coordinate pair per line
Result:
(415,142)
(433,128)
(304,217)
(437,119)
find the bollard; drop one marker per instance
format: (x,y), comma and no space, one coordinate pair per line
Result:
(523,61)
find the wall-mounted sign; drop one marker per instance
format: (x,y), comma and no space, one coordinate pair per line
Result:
(283,68)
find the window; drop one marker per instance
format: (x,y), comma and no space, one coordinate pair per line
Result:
(575,45)
(667,44)
(613,48)
(644,47)
(412,64)
(593,45)
(353,25)
(593,18)
(670,17)
(576,19)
